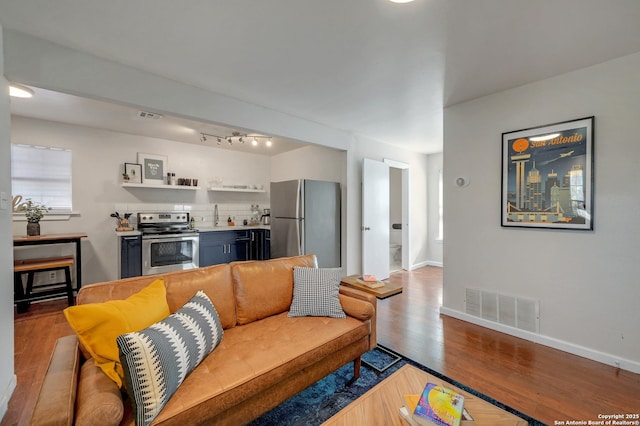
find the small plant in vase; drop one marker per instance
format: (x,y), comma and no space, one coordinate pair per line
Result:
(34,212)
(126,177)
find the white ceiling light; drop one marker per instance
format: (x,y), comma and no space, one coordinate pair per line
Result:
(18,91)
(400,1)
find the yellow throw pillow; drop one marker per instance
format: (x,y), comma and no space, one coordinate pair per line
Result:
(99,324)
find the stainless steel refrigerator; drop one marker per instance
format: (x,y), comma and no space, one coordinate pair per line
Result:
(305,219)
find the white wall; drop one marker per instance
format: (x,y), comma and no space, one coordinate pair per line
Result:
(309,162)
(7,376)
(98,157)
(434,246)
(587,283)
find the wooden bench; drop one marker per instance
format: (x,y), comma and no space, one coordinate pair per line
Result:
(23,298)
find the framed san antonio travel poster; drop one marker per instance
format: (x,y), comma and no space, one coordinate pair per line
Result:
(547,176)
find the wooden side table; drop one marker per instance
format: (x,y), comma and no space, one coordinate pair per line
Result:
(380,292)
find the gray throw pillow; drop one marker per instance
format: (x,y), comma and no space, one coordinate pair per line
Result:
(315,292)
(156,360)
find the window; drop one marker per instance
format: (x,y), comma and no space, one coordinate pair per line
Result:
(42,174)
(440,208)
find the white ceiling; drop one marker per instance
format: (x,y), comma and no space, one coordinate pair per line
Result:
(371,67)
(64,108)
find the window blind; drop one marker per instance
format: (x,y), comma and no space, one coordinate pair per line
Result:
(42,174)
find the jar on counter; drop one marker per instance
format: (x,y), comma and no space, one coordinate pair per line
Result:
(255,214)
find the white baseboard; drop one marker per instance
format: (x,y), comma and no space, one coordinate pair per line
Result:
(426,263)
(605,358)
(6,396)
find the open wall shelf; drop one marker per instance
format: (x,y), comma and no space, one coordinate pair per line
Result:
(223,189)
(172,187)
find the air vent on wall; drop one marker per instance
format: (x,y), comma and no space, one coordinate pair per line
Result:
(504,309)
(148,115)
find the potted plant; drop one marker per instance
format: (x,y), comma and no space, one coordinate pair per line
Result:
(126,177)
(34,212)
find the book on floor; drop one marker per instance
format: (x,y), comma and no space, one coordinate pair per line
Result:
(412,400)
(439,405)
(406,413)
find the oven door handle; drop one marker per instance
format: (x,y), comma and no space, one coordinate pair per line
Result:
(164,238)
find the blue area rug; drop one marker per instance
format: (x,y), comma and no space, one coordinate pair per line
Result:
(326,397)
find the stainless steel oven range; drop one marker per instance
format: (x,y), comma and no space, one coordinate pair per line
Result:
(168,242)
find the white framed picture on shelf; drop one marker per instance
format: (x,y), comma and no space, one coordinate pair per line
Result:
(134,172)
(154,168)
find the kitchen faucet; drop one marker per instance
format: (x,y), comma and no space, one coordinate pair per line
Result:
(216,217)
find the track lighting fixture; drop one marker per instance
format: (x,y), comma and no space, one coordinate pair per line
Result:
(237,137)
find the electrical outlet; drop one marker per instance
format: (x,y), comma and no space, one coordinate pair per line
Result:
(52,275)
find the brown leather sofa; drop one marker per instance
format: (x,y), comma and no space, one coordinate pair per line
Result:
(263,359)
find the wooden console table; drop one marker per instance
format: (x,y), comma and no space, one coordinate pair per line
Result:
(19,240)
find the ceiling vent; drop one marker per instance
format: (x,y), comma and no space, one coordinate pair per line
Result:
(148,115)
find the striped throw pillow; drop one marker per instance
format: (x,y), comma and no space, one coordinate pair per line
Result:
(156,360)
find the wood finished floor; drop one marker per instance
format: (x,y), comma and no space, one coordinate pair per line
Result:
(544,383)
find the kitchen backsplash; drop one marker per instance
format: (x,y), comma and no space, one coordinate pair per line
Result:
(202,213)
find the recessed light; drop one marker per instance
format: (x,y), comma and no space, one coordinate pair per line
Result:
(18,91)
(400,1)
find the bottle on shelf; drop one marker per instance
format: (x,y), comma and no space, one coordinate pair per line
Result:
(255,214)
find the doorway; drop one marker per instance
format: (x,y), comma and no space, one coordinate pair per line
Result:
(399,189)
(395,219)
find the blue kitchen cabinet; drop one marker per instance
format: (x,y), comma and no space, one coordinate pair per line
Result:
(267,244)
(218,247)
(130,256)
(260,248)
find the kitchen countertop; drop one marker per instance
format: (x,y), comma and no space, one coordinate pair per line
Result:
(233,228)
(203,229)
(128,233)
